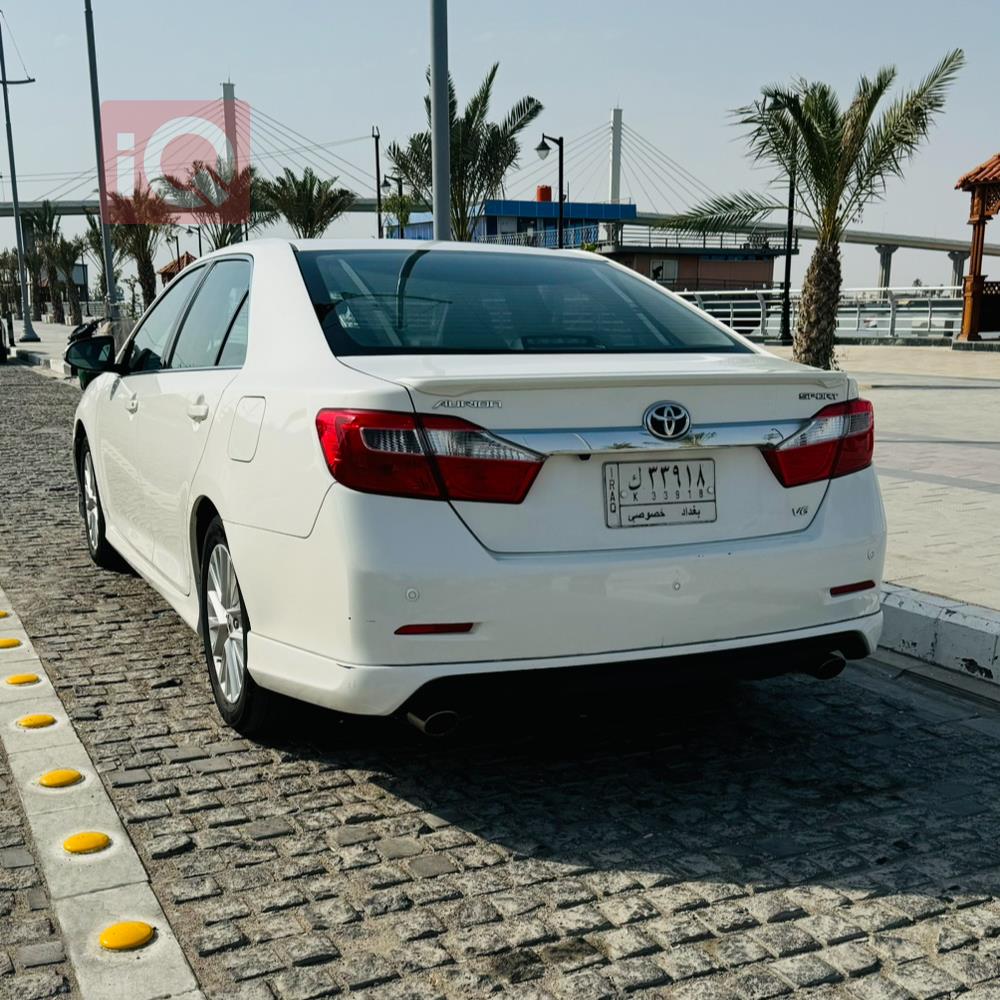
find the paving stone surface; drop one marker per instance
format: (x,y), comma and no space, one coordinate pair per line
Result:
(834,840)
(33,962)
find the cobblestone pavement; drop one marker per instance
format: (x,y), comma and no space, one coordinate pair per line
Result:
(32,958)
(835,840)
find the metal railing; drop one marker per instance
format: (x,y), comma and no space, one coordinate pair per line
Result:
(863,312)
(573,236)
(651,237)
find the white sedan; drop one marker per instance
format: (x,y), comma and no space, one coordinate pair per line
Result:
(384,476)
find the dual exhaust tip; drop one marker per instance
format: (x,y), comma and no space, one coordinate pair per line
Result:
(440,722)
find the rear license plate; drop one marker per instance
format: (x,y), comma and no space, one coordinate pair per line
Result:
(639,494)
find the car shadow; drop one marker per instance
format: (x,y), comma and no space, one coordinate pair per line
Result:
(774,784)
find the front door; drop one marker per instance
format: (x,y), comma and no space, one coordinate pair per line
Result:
(179,412)
(123,407)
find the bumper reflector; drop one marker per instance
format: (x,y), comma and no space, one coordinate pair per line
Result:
(851,588)
(442,629)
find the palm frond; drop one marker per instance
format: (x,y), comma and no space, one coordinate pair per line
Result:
(723,213)
(897,135)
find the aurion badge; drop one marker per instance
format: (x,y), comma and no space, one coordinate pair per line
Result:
(667,420)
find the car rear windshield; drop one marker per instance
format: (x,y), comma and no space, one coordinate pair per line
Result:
(466,302)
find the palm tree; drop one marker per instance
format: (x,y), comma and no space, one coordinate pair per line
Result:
(307,203)
(481,153)
(841,160)
(94,240)
(226,202)
(64,255)
(399,206)
(45,225)
(145,221)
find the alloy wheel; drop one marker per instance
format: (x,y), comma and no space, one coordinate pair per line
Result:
(225,624)
(90,503)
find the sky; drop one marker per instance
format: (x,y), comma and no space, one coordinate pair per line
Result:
(329,70)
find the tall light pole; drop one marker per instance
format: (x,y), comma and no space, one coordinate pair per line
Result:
(28,336)
(376,135)
(195,229)
(386,187)
(440,122)
(102,185)
(542,149)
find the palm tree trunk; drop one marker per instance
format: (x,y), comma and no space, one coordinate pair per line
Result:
(36,297)
(73,294)
(55,297)
(817,320)
(147,280)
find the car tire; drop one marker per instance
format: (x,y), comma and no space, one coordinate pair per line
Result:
(224,626)
(93,514)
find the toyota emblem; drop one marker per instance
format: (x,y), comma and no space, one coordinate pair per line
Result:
(667,420)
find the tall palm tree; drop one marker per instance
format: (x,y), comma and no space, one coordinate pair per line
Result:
(226,202)
(145,221)
(307,203)
(481,153)
(94,240)
(841,159)
(45,224)
(65,254)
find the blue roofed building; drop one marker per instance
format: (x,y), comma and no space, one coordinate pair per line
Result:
(531,223)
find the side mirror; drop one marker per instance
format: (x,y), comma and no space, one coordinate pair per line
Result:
(94,355)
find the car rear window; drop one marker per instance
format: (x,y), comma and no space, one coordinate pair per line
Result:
(453,302)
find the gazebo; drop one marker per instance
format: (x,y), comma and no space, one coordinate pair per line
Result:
(981,307)
(171,270)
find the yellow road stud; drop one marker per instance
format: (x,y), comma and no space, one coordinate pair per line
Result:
(19,680)
(39,720)
(62,777)
(126,935)
(3,614)
(87,842)
(9,643)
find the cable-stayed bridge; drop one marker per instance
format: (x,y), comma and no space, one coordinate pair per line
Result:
(610,162)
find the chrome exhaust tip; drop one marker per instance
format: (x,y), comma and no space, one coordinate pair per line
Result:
(435,724)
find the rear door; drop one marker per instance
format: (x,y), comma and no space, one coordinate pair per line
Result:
(179,414)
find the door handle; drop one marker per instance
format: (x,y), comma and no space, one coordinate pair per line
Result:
(197,411)
(132,404)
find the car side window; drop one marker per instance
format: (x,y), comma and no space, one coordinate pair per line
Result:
(150,342)
(204,329)
(234,351)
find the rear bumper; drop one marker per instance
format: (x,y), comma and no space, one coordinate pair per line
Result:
(382,690)
(372,564)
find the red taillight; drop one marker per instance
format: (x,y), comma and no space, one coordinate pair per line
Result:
(436,458)
(840,439)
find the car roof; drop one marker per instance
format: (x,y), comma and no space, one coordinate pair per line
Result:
(387,245)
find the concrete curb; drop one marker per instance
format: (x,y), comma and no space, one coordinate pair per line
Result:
(39,360)
(963,639)
(88,892)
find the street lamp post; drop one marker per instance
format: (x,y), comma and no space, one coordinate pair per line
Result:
(543,149)
(386,187)
(195,229)
(177,245)
(786,292)
(376,135)
(440,122)
(29,335)
(102,186)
